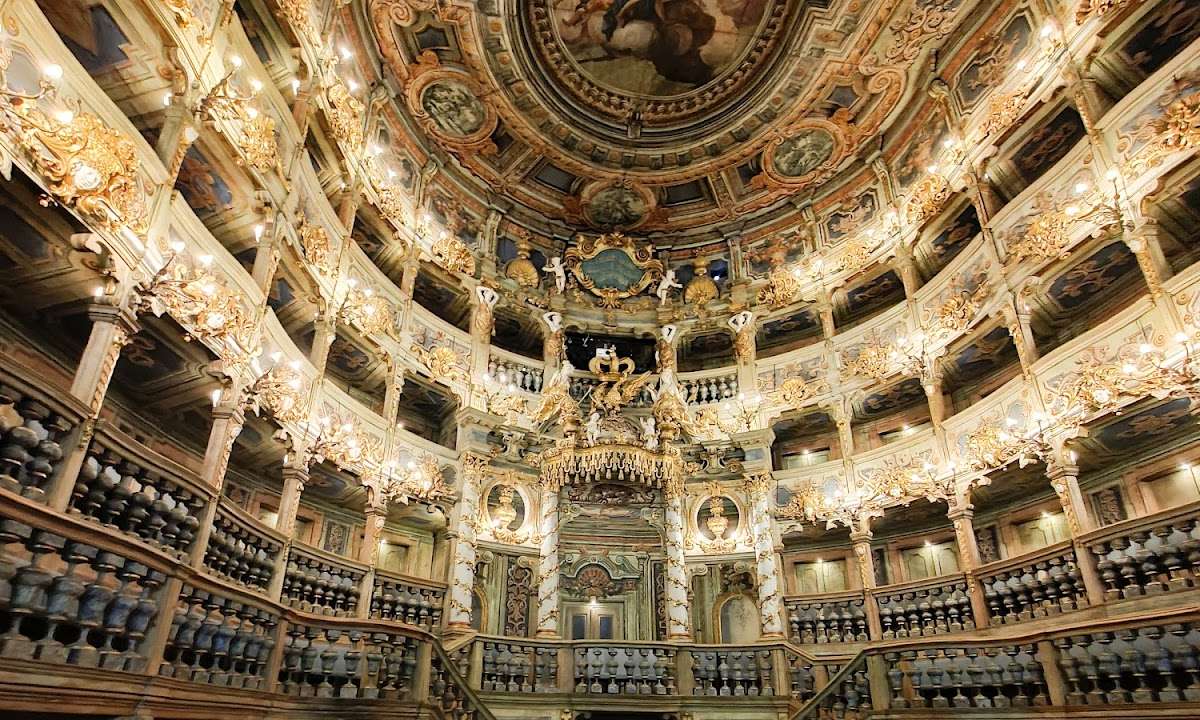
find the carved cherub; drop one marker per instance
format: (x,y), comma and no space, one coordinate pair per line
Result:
(664,286)
(556,269)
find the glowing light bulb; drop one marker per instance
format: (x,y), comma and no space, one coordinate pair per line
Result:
(52,72)
(235,60)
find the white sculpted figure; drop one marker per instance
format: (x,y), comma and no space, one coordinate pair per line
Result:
(665,285)
(741,320)
(556,269)
(669,332)
(592,428)
(649,433)
(553,321)
(487,296)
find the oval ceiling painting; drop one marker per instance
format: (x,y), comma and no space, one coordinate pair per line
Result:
(803,152)
(616,206)
(656,48)
(453,107)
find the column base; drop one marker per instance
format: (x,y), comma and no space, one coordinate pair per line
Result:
(772,636)
(547,635)
(681,637)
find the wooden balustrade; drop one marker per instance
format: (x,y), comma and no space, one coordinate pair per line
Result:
(219,640)
(1137,659)
(407,600)
(832,618)
(1035,585)
(36,426)
(319,582)
(615,669)
(733,672)
(242,549)
(1148,555)
(925,607)
(125,485)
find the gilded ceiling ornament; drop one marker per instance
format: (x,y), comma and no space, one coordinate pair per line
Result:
(783,287)
(1103,381)
(346,114)
(612,267)
(318,250)
(182,10)
(342,442)
(443,364)
(960,303)
(1175,127)
(204,305)
(925,25)
(520,268)
(256,139)
(796,391)
(875,359)
(1096,8)
(86,165)
(1003,109)
(927,199)
(701,289)
(993,444)
(1050,234)
(370,312)
(453,254)
(419,479)
(283,391)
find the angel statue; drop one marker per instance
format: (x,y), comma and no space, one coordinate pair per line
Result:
(556,269)
(557,400)
(665,285)
(592,428)
(649,433)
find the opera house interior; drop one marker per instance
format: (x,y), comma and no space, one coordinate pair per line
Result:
(599,359)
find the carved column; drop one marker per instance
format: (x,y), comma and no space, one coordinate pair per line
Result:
(228,418)
(463,519)
(1146,246)
(548,569)
(906,267)
(483,324)
(962,516)
(553,347)
(112,329)
(1017,323)
(678,615)
(323,337)
(295,477)
(770,597)
(743,325)
(1064,478)
(266,257)
(368,552)
(860,541)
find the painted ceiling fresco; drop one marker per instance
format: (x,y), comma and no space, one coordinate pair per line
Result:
(656,48)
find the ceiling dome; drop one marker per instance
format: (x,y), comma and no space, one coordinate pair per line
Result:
(676,119)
